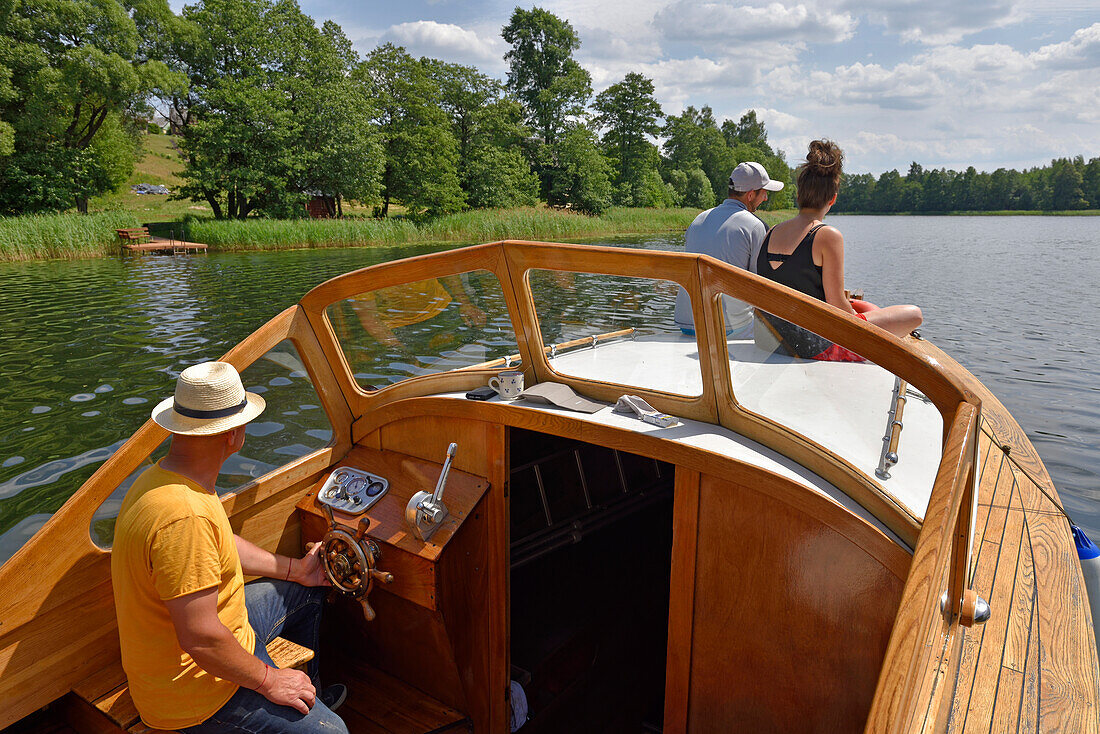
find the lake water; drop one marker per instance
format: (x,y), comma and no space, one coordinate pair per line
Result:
(88,347)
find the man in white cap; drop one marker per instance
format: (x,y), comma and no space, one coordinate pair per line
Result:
(193,635)
(730,232)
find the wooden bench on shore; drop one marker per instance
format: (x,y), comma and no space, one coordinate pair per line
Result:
(134,235)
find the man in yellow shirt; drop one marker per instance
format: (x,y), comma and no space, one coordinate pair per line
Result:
(193,635)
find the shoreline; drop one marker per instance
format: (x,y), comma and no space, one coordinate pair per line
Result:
(77,237)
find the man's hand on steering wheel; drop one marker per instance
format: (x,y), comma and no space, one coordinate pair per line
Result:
(308,570)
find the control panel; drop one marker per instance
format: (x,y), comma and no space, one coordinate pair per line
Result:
(352,490)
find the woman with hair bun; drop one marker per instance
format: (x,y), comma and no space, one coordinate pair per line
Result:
(808,255)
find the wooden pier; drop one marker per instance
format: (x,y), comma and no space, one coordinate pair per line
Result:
(164,246)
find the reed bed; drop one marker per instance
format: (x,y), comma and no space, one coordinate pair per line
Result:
(483,225)
(62,236)
(72,236)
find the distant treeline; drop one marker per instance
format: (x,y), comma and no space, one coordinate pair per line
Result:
(1067,184)
(271,110)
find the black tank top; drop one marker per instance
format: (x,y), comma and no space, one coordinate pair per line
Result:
(797,270)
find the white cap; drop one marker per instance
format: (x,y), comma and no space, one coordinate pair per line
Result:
(752,176)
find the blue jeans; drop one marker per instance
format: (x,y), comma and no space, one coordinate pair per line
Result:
(277,609)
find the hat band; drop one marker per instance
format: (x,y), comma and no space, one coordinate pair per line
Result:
(219,413)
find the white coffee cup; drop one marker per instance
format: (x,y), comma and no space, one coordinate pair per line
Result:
(508,384)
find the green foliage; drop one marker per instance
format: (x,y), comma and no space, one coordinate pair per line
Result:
(270,114)
(580,175)
(46,236)
(69,71)
(490,133)
(482,225)
(698,192)
(1065,185)
(629,113)
(421,151)
(746,131)
(694,140)
(542,72)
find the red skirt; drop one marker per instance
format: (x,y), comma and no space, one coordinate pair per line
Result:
(837,353)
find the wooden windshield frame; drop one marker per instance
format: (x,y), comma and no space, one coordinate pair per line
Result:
(941,541)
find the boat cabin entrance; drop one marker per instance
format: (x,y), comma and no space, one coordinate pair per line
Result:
(591,546)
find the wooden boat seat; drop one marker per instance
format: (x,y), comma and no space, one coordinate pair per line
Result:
(377,702)
(103,703)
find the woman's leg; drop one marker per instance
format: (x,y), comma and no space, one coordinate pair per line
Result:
(898,320)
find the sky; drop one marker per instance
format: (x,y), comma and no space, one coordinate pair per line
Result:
(946,83)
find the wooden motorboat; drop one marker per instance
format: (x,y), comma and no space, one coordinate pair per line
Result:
(808,547)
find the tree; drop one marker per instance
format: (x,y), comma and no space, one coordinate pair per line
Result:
(629,113)
(747,131)
(580,176)
(69,72)
(698,193)
(270,114)
(421,151)
(693,141)
(343,158)
(489,130)
(1066,186)
(1091,182)
(542,72)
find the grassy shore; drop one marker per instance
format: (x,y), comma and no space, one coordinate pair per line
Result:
(72,236)
(528,223)
(62,236)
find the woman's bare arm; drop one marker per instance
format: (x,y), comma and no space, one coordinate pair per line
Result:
(829,244)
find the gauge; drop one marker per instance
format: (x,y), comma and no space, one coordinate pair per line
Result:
(339,477)
(375,487)
(355,485)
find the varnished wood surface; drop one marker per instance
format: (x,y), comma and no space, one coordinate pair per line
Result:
(704,279)
(102,701)
(1032,666)
(789,618)
(381,704)
(407,475)
(921,638)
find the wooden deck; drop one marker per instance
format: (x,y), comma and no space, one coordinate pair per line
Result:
(1032,666)
(162,245)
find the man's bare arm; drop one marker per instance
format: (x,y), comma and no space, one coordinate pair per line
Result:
(307,570)
(214,648)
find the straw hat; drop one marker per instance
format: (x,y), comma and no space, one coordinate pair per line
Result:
(209,399)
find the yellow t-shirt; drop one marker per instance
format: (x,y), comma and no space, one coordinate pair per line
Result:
(172,538)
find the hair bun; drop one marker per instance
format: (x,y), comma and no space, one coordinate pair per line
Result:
(825,158)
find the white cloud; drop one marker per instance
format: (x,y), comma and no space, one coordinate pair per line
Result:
(726,26)
(905,86)
(449,42)
(780,122)
(939,21)
(1081,51)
